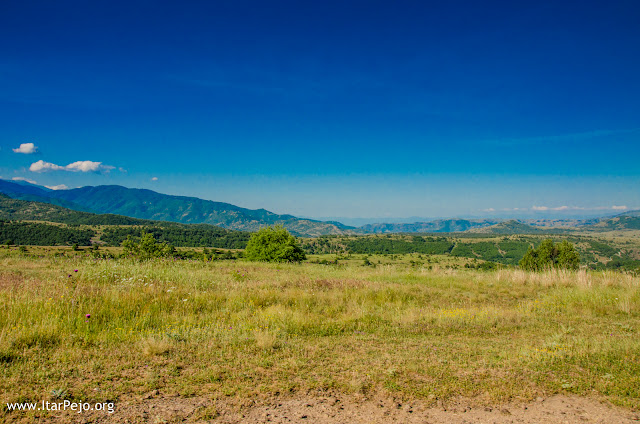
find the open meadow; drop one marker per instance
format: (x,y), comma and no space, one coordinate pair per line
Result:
(323,212)
(122,331)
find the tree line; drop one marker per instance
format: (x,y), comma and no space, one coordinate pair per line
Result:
(38,234)
(392,245)
(194,235)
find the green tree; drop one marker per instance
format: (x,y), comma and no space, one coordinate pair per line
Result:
(274,244)
(146,247)
(549,255)
(568,256)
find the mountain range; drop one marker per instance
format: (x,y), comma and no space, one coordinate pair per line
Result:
(437,226)
(149,205)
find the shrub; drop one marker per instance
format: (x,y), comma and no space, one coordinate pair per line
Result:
(274,244)
(146,247)
(549,255)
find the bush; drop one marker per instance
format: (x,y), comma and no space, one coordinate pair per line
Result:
(274,244)
(549,255)
(146,247)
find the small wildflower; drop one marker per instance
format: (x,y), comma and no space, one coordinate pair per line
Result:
(88,315)
(75,270)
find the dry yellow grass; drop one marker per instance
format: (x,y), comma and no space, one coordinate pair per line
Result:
(197,328)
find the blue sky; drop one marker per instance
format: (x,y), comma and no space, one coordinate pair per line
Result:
(343,109)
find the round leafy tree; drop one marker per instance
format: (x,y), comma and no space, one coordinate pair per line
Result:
(274,244)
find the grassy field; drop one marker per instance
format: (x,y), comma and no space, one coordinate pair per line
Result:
(108,330)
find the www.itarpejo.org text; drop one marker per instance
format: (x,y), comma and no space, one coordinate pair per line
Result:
(66,405)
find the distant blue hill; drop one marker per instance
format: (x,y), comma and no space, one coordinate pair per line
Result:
(26,191)
(453,225)
(147,204)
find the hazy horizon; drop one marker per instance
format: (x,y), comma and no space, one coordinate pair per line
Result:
(540,213)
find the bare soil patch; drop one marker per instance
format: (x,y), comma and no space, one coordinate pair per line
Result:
(157,408)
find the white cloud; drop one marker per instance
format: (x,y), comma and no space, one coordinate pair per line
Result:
(88,166)
(24,179)
(26,148)
(154,179)
(42,166)
(79,166)
(579,208)
(84,166)
(58,187)
(558,208)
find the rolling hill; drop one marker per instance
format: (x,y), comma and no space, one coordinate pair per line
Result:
(147,204)
(437,226)
(26,210)
(626,221)
(511,227)
(109,229)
